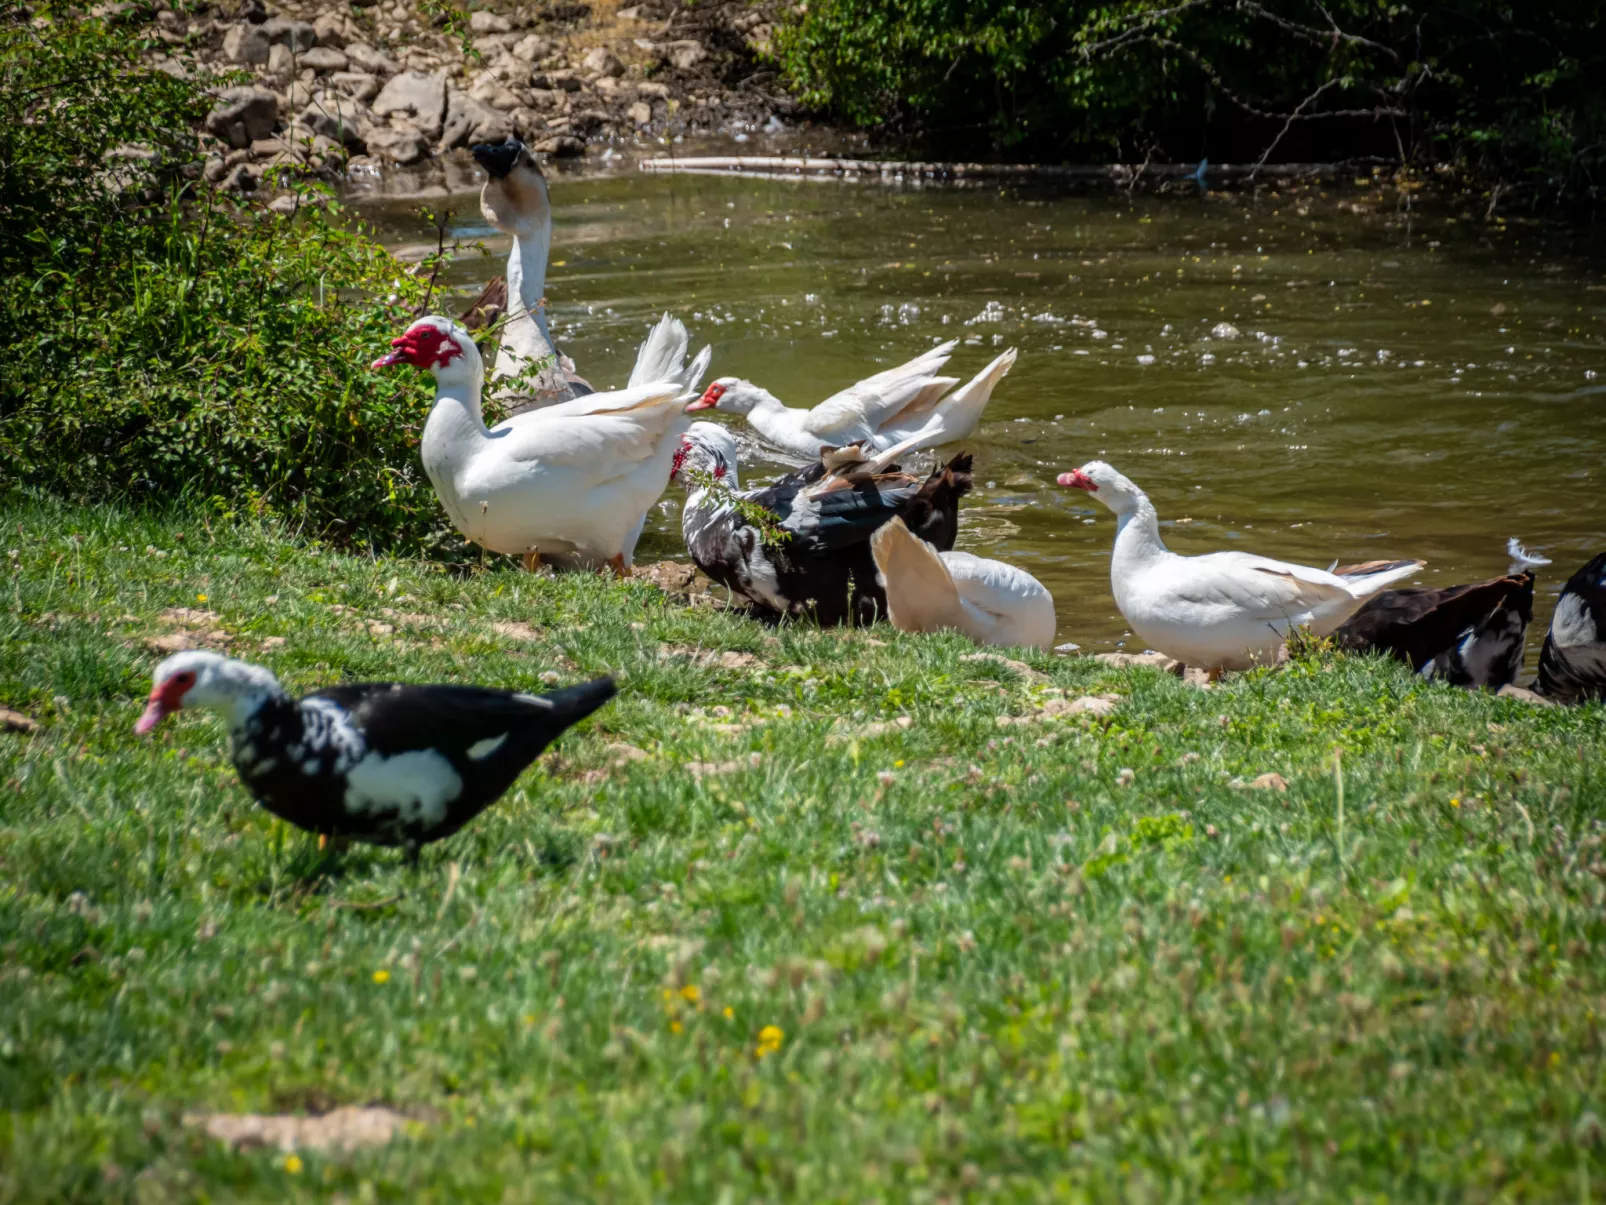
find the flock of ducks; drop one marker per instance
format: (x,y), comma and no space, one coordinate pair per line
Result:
(568,479)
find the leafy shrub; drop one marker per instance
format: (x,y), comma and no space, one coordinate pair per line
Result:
(164,340)
(1516,92)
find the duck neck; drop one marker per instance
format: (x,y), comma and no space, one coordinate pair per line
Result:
(526,274)
(1137,534)
(455,420)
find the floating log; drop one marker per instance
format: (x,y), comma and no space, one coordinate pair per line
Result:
(1122,174)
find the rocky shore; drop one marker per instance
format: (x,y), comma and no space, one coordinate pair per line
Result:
(341,88)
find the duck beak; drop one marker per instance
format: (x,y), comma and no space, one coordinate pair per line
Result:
(164,701)
(1077,480)
(397,356)
(709,400)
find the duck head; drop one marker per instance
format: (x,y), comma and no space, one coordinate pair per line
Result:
(708,448)
(731,394)
(514,198)
(437,345)
(197,678)
(1105,484)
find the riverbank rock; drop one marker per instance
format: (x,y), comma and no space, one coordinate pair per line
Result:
(416,95)
(243,115)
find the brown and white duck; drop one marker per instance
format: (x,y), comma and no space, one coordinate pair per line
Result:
(1470,635)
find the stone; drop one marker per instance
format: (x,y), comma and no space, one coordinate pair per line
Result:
(489,22)
(641,112)
(557,81)
(469,120)
(399,146)
(423,97)
(493,92)
(245,44)
(241,179)
(243,115)
(602,61)
(532,48)
(654,90)
(216,168)
(563,146)
(330,30)
(364,57)
(617,91)
(281,61)
(684,54)
(285,204)
(324,59)
(297,35)
(527,124)
(359,85)
(296,96)
(336,117)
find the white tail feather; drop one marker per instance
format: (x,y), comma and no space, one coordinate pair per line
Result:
(961,409)
(661,356)
(921,595)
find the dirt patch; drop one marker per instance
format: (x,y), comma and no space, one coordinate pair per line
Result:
(1096,706)
(15,721)
(345,1129)
(710,658)
(515,630)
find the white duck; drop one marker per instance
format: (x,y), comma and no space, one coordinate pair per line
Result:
(891,407)
(529,368)
(931,591)
(1223,610)
(569,483)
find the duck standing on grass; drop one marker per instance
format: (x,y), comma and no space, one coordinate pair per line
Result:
(1223,610)
(569,484)
(814,559)
(381,762)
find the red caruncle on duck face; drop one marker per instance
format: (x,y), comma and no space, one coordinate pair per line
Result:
(423,345)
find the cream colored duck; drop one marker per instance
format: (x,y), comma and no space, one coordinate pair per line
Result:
(569,484)
(529,371)
(909,402)
(931,591)
(1223,610)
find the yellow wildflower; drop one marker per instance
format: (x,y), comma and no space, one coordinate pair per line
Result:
(690,993)
(675,1027)
(202,598)
(729,1012)
(292,1163)
(381,976)
(769,1040)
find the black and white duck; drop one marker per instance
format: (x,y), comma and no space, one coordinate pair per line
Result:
(1471,635)
(382,762)
(1572,663)
(816,558)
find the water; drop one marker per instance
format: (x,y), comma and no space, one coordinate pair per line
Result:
(1407,379)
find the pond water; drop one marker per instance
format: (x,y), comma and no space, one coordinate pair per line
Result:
(1406,379)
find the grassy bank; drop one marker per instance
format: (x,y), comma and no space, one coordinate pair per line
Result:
(790,952)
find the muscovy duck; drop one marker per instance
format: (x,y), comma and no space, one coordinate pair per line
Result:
(530,371)
(1471,635)
(381,762)
(569,484)
(907,404)
(931,591)
(1572,663)
(1223,610)
(818,560)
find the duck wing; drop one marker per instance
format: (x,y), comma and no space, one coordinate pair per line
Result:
(1416,625)
(864,407)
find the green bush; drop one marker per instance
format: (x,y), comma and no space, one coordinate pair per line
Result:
(1516,93)
(164,340)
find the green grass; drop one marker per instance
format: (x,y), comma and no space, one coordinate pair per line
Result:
(1001,971)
